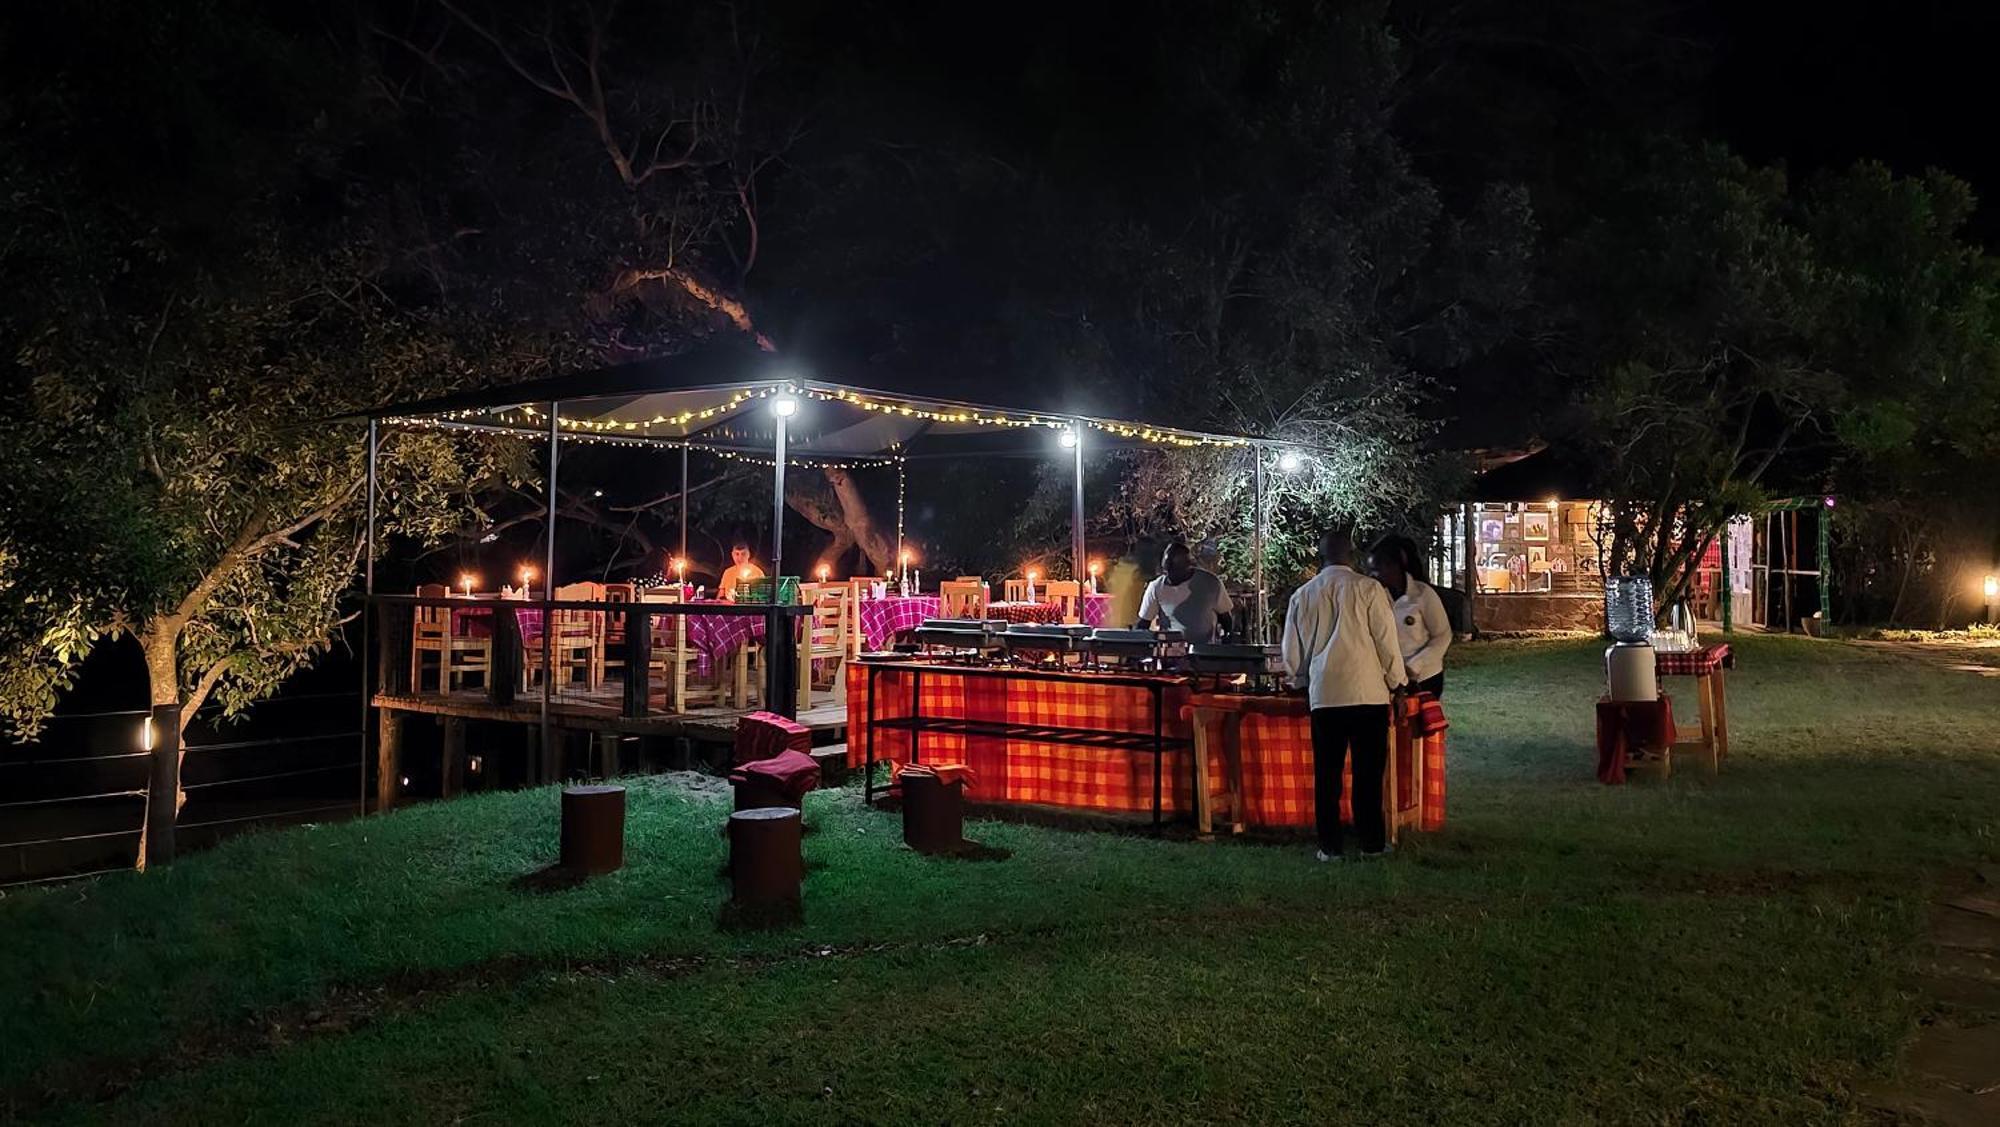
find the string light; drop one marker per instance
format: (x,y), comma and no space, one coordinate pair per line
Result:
(529,416)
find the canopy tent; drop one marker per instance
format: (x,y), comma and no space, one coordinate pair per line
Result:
(740,402)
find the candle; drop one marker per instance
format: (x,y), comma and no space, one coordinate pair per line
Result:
(903,572)
(1094,568)
(824,571)
(917,585)
(1032,576)
(465,583)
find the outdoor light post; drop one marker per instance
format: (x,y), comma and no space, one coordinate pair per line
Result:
(1257,549)
(1073,438)
(1991,590)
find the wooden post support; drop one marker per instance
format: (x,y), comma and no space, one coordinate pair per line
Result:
(393,624)
(503,669)
(608,746)
(766,863)
(451,763)
(388,758)
(593,829)
(780,662)
(638,658)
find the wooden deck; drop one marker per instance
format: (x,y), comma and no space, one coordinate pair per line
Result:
(600,712)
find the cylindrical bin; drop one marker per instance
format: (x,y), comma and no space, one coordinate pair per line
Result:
(933,813)
(765,861)
(593,829)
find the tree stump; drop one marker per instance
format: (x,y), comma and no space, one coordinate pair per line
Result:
(933,814)
(593,829)
(766,864)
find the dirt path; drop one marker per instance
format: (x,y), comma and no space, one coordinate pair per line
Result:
(1952,1068)
(1981,659)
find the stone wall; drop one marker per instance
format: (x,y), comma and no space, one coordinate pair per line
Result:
(1534,613)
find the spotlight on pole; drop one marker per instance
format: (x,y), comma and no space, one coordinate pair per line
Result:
(1068,439)
(1289,462)
(784,406)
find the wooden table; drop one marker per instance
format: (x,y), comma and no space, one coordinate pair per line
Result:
(1707,666)
(1218,737)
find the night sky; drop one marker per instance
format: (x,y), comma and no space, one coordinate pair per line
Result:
(1824,84)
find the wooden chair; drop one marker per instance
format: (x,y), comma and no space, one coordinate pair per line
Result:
(671,663)
(962,600)
(1015,590)
(828,639)
(457,655)
(857,641)
(1067,595)
(575,640)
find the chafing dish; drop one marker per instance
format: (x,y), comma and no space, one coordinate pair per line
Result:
(1037,640)
(1136,647)
(970,637)
(1238,667)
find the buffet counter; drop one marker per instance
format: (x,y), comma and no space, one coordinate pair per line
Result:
(1106,742)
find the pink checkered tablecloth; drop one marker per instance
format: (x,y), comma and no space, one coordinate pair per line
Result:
(883,619)
(713,637)
(1693,663)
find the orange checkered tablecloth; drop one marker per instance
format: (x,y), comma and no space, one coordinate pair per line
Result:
(1277,743)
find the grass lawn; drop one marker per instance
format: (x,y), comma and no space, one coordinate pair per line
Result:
(1722,951)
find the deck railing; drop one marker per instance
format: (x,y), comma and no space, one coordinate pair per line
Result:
(395,621)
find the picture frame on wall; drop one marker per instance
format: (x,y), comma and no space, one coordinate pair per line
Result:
(1536,526)
(1491,531)
(1538,558)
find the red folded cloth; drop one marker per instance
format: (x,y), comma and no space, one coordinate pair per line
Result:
(762,735)
(946,773)
(791,773)
(1627,727)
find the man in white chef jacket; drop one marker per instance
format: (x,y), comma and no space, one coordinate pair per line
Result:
(1340,646)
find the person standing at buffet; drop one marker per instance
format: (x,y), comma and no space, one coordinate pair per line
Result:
(1423,629)
(1186,598)
(1340,646)
(742,569)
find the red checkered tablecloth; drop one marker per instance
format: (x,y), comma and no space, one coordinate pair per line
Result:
(1692,663)
(1277,744)
(1278,761)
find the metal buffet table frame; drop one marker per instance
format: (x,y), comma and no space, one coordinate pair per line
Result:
(1158,743)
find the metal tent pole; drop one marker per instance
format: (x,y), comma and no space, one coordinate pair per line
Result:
(902,484)
(777,697)
(367,610)
(1259,634)
(548,749)
(684,504)
(1079,567)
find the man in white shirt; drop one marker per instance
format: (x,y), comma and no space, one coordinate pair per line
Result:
(1340,646)
(1186,598)
(1423,629)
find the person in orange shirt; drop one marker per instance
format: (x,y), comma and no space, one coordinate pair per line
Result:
(742,569)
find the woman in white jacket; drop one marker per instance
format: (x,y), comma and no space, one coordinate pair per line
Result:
(1423,629)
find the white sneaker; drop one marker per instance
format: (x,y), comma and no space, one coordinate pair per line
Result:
(1378,854)
(1323,856)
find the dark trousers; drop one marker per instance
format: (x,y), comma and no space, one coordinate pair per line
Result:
(1432,685)
(1365,729)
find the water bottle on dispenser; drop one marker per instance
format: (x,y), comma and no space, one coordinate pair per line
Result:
(1628,615)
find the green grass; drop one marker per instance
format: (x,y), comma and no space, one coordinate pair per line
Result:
(1719,951)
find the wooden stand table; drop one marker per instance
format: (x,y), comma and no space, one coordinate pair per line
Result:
(1706,665)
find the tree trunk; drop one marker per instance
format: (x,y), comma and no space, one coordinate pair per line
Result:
(842,512)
